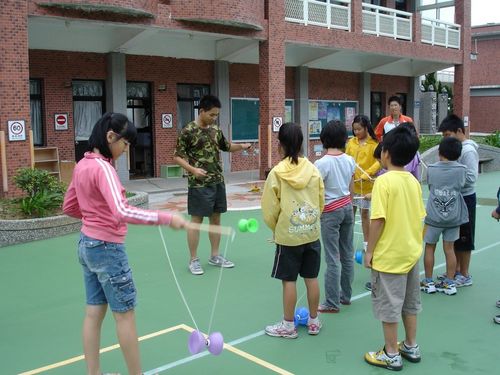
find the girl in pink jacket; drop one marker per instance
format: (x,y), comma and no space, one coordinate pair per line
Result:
(96,196)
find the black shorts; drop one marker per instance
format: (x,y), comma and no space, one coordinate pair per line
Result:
(291,261)
(207,200)
(467,231)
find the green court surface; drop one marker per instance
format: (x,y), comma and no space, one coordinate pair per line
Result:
(43,304)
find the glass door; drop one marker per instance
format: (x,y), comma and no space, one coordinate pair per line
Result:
(139,111)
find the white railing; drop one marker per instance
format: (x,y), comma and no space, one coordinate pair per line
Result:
(440,33)
(389,22)
(328,13)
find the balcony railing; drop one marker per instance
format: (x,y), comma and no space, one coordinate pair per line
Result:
(388,22)
(331,14)
(439,33)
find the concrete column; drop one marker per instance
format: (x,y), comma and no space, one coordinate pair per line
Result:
(365,88)
(221,90)
(116,100)
(302,103)
(14,92)
(461,88)
(414,102)
(271,84)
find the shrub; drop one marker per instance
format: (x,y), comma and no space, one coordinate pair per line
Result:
(493,139)
(45,193)
(428,141)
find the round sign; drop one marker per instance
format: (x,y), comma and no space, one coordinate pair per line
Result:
(16,128)
(61,120)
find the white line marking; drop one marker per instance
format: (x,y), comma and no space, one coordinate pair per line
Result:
(261,333)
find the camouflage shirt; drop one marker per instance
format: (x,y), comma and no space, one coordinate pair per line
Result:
(201,148)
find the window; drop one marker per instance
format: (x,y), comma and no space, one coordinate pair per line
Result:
(36,111)
(88,105)
(402,5)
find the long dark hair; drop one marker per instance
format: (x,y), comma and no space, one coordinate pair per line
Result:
(365,122)
(290,137)
(118,124)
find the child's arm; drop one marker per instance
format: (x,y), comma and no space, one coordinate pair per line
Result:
(70,205)
(270,202)
(376,228)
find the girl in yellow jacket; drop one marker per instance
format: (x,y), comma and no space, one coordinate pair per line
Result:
(292,202)
(361,148)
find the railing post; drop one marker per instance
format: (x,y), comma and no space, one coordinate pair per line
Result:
(328,14)
(306,12)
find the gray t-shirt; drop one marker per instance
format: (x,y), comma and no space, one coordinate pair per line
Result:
(470,158)
(446,206)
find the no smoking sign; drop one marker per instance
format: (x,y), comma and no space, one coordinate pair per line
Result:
(17,130)
(166,120)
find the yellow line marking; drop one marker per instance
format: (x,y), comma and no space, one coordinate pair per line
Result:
(103,350)
(246,355)
(185,327)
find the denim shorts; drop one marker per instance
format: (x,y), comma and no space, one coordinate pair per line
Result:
(106,274)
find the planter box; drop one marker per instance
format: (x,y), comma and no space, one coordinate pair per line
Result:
(20,231)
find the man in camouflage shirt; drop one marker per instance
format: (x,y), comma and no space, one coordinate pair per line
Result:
(198,152)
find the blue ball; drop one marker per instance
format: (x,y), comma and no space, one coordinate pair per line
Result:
(301,316)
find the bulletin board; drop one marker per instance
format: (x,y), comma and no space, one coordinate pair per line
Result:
(323,111)
(245,118)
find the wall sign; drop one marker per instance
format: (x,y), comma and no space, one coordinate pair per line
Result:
(61,121)
(17,130)
(277,122)
(166,120)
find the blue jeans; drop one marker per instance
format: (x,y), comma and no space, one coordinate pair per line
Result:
(106,273)
(337,228)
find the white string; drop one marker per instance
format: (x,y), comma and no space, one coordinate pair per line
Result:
(176,281)
(180,289)
(218,285)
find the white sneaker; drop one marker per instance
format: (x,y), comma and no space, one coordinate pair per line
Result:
(220,261)
(282,329)
(195,267)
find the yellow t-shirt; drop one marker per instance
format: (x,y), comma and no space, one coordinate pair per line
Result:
(397,198)
(363,155)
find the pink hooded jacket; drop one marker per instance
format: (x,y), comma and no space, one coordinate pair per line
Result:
(97,196)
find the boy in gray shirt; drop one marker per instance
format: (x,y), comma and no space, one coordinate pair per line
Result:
(453,126)
(446,211)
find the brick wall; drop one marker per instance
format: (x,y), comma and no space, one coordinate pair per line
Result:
(168,71)
(57,69)
(14,88)
(484,113)
(485,70)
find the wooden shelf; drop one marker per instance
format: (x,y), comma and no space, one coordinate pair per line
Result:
(47,158)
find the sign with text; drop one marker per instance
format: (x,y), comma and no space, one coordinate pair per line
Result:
(61,121)
(166,120)
(17,130)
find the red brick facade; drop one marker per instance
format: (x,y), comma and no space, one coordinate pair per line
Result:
(272,79)
(485,79)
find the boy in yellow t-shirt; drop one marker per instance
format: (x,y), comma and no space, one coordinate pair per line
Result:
(394,247)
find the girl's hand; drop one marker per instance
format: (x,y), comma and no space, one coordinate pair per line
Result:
(368,197)
(178,222)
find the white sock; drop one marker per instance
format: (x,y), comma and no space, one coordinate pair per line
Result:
(289,325)
(365,245)
(313,320)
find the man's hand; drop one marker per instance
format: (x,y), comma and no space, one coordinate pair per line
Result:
(245,146)
(199,172)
